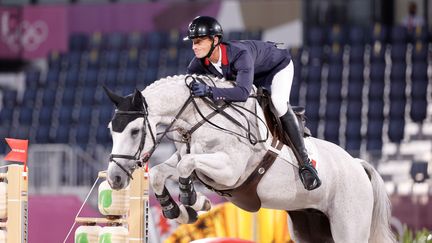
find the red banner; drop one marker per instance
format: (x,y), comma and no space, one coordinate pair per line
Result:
(19,149)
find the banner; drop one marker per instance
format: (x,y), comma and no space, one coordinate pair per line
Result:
(32,31)
(19,151)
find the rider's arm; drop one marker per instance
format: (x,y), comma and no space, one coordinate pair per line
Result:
(244,65)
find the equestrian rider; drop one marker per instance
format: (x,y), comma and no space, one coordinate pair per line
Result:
(248,62)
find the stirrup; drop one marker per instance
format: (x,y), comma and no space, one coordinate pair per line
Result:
(316,182)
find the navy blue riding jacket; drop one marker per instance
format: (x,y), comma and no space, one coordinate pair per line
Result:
(247,62)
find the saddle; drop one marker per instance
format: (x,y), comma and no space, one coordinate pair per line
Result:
(273,122)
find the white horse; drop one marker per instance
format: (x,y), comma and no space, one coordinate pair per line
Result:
(350,206)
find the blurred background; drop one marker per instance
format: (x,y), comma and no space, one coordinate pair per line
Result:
(362,70)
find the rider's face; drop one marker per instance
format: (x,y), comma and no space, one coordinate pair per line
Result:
(201,46)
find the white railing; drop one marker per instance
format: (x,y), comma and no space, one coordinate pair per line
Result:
(61,169)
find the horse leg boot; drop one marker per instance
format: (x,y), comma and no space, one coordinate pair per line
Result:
(308,174)
(170,209)
(187,191)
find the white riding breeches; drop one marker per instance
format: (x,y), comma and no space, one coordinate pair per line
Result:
(281,89)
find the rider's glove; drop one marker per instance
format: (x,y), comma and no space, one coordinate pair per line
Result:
(200,89)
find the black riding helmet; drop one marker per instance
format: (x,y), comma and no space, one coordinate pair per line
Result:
(202,26)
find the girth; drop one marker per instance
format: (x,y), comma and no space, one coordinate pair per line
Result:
(245,196)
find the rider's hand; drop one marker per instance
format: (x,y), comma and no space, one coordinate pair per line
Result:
(200,89)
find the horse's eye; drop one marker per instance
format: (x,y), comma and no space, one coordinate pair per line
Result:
(134,132)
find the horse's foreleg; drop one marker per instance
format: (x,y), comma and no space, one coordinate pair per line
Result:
(158,176)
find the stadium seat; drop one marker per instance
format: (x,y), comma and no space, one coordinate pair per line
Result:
(114,41)
(6,116)
(379,33)
(354,110)
(396,130)
(82,134)
(156,40)
(91,76)
(68,98)
(357,53)
(49,97)
(316,55)
(356,73)
(399,35)
(335,54)
(21,132)
(42,134)
(398,52)
(376,89)
(135,40)
(85,115)
(45,115)
(356,36)
(398,71)
(332,110)
(374,135)
(10,97)
(72,77)
(397,109)
(313,92)
(105,114)
(335,73)
(62,133)
(331,131)
(87,96)
(375,109)
(65,115)
(397,90)
(353,134)
(52,78)
(418,110)
(313,74)
(78,41)
(32,79)
(355,91)
(316,36)
(73,59)
(420,52)
(334,91)
(103,135)
(26,116)
(312,114)
(337,34)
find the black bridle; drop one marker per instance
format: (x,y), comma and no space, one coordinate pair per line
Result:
(137,156)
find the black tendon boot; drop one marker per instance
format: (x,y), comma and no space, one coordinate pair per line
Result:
(308,173)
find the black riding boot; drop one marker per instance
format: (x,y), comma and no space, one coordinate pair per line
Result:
(308,174)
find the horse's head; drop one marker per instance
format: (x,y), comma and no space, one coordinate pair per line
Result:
(129,128)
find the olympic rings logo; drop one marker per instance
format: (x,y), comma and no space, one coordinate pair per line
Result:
(27,36)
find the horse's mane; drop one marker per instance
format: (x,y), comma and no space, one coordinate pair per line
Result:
(180,79)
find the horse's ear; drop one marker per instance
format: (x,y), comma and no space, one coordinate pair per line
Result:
(113,97)
(137,99)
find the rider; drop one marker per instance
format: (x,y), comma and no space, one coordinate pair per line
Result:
(248,62)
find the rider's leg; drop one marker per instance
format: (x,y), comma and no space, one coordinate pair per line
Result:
(280,89)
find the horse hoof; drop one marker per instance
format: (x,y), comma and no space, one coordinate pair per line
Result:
(207,205)
(193,216)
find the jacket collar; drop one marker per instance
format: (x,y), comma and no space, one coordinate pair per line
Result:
(224,56)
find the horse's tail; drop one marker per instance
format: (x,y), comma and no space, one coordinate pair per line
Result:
(380,228)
